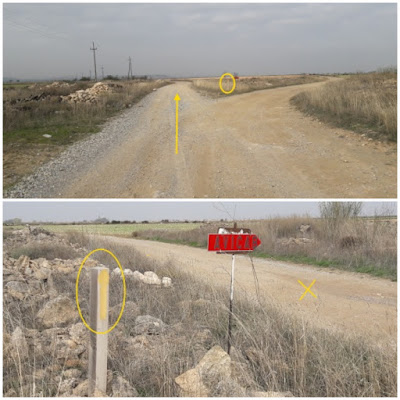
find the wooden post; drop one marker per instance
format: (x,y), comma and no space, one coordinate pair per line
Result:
(99,280)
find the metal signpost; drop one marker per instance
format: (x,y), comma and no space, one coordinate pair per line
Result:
(232,241)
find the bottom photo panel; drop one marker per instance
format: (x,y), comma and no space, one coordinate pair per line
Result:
(199,299)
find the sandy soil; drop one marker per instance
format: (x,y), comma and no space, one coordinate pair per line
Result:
(250,145)
(346,301)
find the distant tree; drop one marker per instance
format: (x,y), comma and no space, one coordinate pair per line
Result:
(101,221)
(14,221)
(336,213)
(340,209)
(112,78)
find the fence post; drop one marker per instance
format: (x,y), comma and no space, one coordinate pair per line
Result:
(98,314)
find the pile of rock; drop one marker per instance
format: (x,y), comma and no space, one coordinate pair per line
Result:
(148,278)
(57,85)
(33,235)
(34,97)
(295,241)
(66,344)
(92,94)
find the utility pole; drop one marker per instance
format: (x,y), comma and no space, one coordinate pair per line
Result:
(102,72)
(130,75)
(94,60)
(90,74)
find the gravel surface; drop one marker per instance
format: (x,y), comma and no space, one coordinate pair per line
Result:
(253,145)
(347,301)
(48,180)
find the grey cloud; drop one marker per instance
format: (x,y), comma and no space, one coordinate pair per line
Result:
(191,39)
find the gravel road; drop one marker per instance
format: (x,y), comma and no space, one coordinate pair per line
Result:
(246,146)
(346,301)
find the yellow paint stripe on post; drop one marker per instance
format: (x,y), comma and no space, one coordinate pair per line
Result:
(103,282)
(77,293)
(177,98)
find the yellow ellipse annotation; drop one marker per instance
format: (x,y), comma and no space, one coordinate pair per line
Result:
(77,291)
(233,80)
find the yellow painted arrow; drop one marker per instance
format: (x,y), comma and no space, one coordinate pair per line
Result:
(177,98)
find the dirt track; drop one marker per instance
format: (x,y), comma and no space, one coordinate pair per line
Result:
(249,145)
(346,301)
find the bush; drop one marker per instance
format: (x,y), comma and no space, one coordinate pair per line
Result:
(364,102)
(49,251)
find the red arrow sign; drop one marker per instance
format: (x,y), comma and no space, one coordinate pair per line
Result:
(232,243)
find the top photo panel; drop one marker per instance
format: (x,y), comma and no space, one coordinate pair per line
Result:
(199,100)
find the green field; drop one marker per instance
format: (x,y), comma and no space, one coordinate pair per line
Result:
(117,229)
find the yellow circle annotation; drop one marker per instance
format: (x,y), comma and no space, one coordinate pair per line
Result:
(233,80)
(77,292)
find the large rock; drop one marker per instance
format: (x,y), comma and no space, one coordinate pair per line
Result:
(122,388)
(79,333)
(166,282)
(41,274)
(82,390)
(66,386)
(11,275)
(18,290)
(151,278)
(58,312)
(22,263)
(191,384)
(138,276)
(213,369)
(148,325)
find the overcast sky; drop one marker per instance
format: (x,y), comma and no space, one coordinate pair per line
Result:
(53,40)
(157,210)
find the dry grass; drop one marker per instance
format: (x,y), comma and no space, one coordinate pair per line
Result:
(48,251)
(366,103)
(278,351)
(372,249)
(25,122)
(210,86)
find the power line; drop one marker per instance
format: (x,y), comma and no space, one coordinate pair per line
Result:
(94,60)
(29,28)
(33,28)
